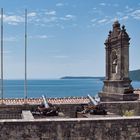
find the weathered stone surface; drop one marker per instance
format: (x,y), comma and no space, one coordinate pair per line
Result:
(117,128)
(117,80)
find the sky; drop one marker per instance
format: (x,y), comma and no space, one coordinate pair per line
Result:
(65,37)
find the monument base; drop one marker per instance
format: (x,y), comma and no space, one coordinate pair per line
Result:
(105,97)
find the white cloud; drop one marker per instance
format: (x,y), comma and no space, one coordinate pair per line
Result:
(128,9)
(39,37)
(13,23)
(120,13)
(102,20)
(94,8)
(93,20)
(10,39)
(42,36)
(49,19)
(6,52)
(68,17)
(124,18)
(59,4)
(51,13)
(96,11)
(14,19)
(61,56)
(32,14)
(43,18)
(102,4)
(135,14)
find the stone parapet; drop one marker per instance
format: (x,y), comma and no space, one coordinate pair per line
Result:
(115,128)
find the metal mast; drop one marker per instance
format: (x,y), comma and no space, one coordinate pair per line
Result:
(25,81)
(2,54)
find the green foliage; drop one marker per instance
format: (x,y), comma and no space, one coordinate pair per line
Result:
(128,113)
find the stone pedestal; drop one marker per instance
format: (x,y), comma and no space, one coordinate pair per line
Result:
(118,90)
(107,97)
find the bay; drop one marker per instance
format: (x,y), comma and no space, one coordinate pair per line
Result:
(55,88)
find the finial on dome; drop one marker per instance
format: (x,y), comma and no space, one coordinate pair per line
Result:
(123,28)
(115,19)
(109,33)
(116,23)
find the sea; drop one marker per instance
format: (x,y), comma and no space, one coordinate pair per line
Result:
(55,88)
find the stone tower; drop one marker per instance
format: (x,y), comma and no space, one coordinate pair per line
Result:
(117,84)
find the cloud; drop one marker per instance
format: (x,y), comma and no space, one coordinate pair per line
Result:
(128,9)
(11,39)
(51,13)
(102,20)
(59,4)
(32,14)
(49,19)
(109,4)
(43,36)
(68,17)
(96,11)
(42,18)
(135,14)
(39,37)
(102,4)
(6,52)
(94,20)
(124,18)
(60,56)
(119,13)
(13,19)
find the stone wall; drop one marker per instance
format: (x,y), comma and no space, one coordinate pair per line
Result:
(121,106)
(119,128)
(70,109)
(116,128)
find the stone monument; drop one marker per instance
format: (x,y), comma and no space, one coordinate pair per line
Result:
(117,84)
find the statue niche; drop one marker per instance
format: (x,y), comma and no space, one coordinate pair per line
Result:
(114,62)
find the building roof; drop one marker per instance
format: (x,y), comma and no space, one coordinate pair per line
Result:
(64,100)
(35,101)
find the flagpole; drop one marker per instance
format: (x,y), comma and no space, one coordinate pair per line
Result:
(25,81)
(2,55)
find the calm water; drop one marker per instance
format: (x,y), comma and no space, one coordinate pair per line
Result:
(54,88)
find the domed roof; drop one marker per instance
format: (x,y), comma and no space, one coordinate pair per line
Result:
(116,24)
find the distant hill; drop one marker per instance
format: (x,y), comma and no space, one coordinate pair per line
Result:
(135,75)
(82,77)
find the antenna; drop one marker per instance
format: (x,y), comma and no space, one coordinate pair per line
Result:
(2,54)
(25,81)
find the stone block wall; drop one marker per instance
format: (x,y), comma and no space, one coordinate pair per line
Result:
(120,106)
(119,128)
(70,109)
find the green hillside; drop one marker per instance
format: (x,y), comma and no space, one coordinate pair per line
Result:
(135,75)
